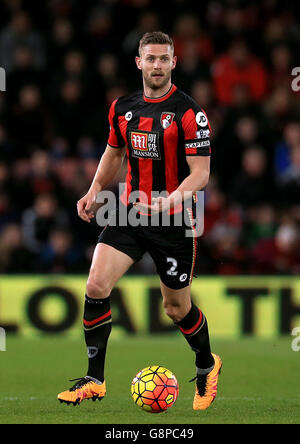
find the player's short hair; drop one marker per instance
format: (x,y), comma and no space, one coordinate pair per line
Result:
(155,38)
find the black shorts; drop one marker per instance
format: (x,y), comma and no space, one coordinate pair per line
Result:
(172,250)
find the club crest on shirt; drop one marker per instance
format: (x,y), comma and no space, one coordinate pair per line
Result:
(145,144)
(166,119)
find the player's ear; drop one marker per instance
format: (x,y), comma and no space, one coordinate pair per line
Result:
(138,62)
(174,61)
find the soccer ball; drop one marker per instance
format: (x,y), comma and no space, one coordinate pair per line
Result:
(154,389)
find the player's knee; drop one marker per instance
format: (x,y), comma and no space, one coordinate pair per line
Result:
(97,289)
(173,310)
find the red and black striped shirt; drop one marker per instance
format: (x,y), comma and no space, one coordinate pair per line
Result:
(158,133)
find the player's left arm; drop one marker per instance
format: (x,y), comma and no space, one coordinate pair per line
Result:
(196,129)
(195,181)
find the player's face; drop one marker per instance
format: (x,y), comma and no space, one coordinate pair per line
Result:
(156,63)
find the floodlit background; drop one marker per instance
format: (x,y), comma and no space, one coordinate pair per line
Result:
(65,62)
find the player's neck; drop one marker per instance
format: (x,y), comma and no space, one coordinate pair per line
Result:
(156,93)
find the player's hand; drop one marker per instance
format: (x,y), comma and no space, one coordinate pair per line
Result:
(87,206)
(158,205)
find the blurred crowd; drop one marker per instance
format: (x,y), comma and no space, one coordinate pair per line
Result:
(67,60)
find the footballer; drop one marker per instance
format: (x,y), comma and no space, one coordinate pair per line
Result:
(164,135)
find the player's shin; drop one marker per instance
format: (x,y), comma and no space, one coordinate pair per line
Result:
(97,327)
(195,330)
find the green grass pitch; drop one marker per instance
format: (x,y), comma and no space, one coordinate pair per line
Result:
(259,383)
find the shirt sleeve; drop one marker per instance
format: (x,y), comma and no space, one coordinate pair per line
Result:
(115,139)
(197,131)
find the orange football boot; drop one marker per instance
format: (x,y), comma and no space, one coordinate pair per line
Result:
(206,386)
(85,388)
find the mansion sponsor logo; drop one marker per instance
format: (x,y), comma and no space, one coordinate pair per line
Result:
(145,144)
(2,79)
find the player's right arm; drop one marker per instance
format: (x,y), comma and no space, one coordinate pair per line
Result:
(108,167)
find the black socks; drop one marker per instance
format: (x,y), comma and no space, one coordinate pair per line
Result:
(195,330)
(97,327)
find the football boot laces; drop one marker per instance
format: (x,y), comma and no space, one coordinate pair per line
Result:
(201,381)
